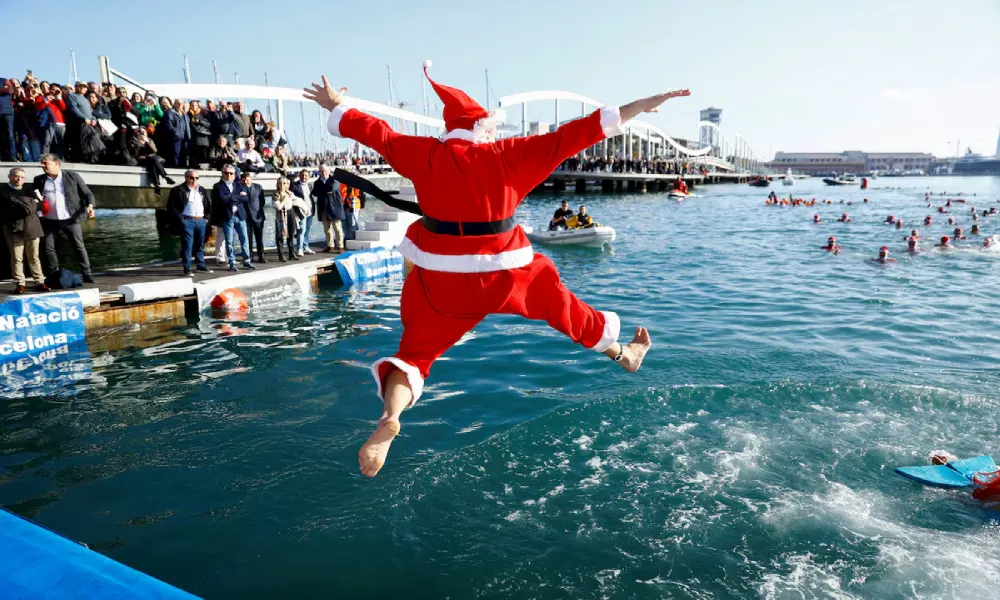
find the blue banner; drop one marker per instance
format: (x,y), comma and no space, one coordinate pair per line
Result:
(37,330)
(366,265)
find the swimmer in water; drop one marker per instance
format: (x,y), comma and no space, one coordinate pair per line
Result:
(951,220)
(942,210)
(816,219)
(890,219)
(883,256)
(928,220)
(911,246)
(948,203)
(914,234)
(831,245)
(987,243)
(844,218)
(866,200)
(975,229)
(942,458)
(945,242)
(899,223)
(958,234)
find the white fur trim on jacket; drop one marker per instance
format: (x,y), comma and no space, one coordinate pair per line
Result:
(413,377)
(466,263)
(333,123)
(459,134)
(611,121)
(612,327)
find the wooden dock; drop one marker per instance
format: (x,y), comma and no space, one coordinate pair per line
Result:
(161,291)
(583,181)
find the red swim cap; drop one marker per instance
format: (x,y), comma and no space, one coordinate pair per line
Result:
(945,239)
(884,249)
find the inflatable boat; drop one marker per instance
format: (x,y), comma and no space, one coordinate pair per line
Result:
(589,236)
(678,195)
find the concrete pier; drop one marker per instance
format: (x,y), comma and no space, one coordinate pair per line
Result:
(129,187)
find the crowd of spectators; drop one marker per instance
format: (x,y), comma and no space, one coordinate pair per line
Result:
(104,124)
(656,166)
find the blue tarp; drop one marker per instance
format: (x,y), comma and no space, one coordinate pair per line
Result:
(365,265)
(38,564)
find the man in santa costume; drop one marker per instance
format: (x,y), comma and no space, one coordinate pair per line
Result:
(470,258)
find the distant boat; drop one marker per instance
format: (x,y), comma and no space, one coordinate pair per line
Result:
(841,180)
(788,180)
(760,182)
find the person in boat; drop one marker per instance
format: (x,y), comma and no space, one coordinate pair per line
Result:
(583,220)
(831,245)
(470,259)
(890,219)
(680,186)
(559,218)
(883,256)
(844,218)
(945,243)
(816,219)
(911,246)
(928,220)
(959,234)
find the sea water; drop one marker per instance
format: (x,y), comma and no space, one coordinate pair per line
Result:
(751,457)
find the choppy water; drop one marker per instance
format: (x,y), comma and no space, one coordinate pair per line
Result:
(752,457)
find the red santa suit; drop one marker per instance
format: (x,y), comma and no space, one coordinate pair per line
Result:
(469,259)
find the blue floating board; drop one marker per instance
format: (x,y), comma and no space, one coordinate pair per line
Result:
(956,474)
(41,565)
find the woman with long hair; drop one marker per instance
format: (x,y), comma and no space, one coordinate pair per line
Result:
(286,222)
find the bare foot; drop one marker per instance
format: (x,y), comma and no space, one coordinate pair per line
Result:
(372,455)
(635,351)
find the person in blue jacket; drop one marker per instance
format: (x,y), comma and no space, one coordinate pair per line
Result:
(7,150)
(230,201)
(255,214)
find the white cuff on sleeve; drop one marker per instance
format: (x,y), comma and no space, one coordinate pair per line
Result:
(612,327)
(611,122)
(333,123)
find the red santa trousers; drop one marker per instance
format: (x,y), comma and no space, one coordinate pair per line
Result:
(438,308)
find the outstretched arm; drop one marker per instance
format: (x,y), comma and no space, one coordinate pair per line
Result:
(399,150)
(651,104)
(532,159)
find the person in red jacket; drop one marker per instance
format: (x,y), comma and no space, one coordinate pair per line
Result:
(53,124)
(470,259)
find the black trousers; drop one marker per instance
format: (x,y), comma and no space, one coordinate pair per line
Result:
(73,231)
(255,237)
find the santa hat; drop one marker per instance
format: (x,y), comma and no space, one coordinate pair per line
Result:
(461,113)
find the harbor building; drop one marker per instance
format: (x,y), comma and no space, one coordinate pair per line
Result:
(852,161)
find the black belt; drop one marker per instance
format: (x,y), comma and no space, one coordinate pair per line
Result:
(463,229)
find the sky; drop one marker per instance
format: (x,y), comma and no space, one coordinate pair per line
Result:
(886,75)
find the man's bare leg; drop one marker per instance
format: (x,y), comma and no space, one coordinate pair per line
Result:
(632,352)
(397,397)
